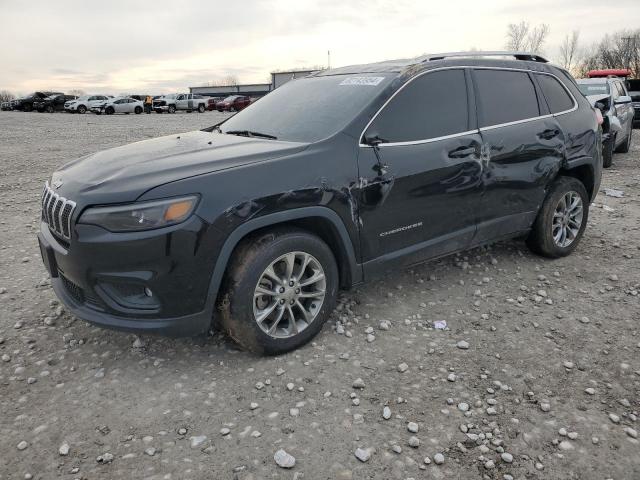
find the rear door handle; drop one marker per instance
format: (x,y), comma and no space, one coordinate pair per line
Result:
(549,134)
(464,151)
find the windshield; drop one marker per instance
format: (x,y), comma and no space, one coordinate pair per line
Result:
(172,95)
(311,108)
(594,88)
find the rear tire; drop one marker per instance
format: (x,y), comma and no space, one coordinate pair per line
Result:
(50,109)
(201,108)
(292,322)
(109,111)
(138,110)
(27,107)
(607,152)
(626,145)
(547,227)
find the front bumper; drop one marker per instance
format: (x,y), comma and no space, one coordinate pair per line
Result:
(101,277)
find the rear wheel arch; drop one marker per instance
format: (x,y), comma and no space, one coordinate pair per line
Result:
(320,221)
(584,173)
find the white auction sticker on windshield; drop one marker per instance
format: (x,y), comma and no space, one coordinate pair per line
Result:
(368,81)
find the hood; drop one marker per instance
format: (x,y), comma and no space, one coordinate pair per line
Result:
(124,173)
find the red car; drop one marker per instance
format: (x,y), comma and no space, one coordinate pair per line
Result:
(233,103)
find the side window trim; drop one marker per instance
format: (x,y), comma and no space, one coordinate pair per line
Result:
(525,120)
(470,120)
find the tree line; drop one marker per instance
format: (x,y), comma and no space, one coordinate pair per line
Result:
(619,49)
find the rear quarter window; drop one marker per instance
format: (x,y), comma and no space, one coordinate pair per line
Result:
(505,96)
(557,97)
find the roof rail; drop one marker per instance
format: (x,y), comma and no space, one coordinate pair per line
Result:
(517,55)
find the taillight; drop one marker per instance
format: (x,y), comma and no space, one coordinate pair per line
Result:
(599,118)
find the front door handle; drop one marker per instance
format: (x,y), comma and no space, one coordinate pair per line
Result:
(549,134)
(464,151)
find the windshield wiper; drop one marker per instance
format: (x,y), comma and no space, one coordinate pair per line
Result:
(249,133)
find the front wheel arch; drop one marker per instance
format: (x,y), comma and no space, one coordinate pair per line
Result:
(350,272)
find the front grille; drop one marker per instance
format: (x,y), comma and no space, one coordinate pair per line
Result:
(57,212)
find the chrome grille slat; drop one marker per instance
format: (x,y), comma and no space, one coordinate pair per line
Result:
(57,212)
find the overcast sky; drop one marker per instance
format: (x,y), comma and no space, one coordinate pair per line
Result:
(161,46)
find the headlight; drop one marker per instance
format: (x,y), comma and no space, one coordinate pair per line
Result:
(141,216)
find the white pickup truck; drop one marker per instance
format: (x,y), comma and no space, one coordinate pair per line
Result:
(180,101)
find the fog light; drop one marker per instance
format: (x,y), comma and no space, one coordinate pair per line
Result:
(148,292)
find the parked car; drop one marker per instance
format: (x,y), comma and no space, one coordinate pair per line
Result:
(233,103)
(211,103)
(85,102)
(633,88)
(53,103)
(5,106)
(119,105)
(610,96)
(188,102)
(257,221)
(26,103)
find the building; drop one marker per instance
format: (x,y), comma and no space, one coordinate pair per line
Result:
(253,90)
(280,78)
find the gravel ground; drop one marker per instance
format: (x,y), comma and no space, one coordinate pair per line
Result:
(537,375)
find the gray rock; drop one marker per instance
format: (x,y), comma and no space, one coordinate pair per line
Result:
(284,460)
(403,367)
(438,458)
(64,449)
(22,445)
(413,427)
(463,345)
(358,383)
(363,454)
(414,442)
(198,440)
(506,457)
(631,432)
(386,413)
(105,458)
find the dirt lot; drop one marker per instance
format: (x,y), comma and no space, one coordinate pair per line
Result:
(536,377)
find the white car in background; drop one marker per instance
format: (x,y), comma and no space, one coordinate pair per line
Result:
(119,105)
(84,103)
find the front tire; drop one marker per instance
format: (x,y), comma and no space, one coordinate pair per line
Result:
(109,111)
(278,291)
(172,109)
(50,109)
(82,109)
(561,220)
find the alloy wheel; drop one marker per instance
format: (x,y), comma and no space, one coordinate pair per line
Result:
(289,294)
(567,219)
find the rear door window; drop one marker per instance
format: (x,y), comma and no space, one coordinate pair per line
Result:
(505,96)
(430,106)
(558,99)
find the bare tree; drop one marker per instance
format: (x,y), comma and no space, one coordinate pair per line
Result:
(517,34)
(569,52)
(618,50)
(521,37)
(77,92)
(228,81)
(6,96)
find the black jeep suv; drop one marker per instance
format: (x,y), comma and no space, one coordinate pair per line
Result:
(256,222)
(53,103)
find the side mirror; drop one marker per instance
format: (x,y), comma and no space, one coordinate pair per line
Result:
(372,140)
(623,99)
